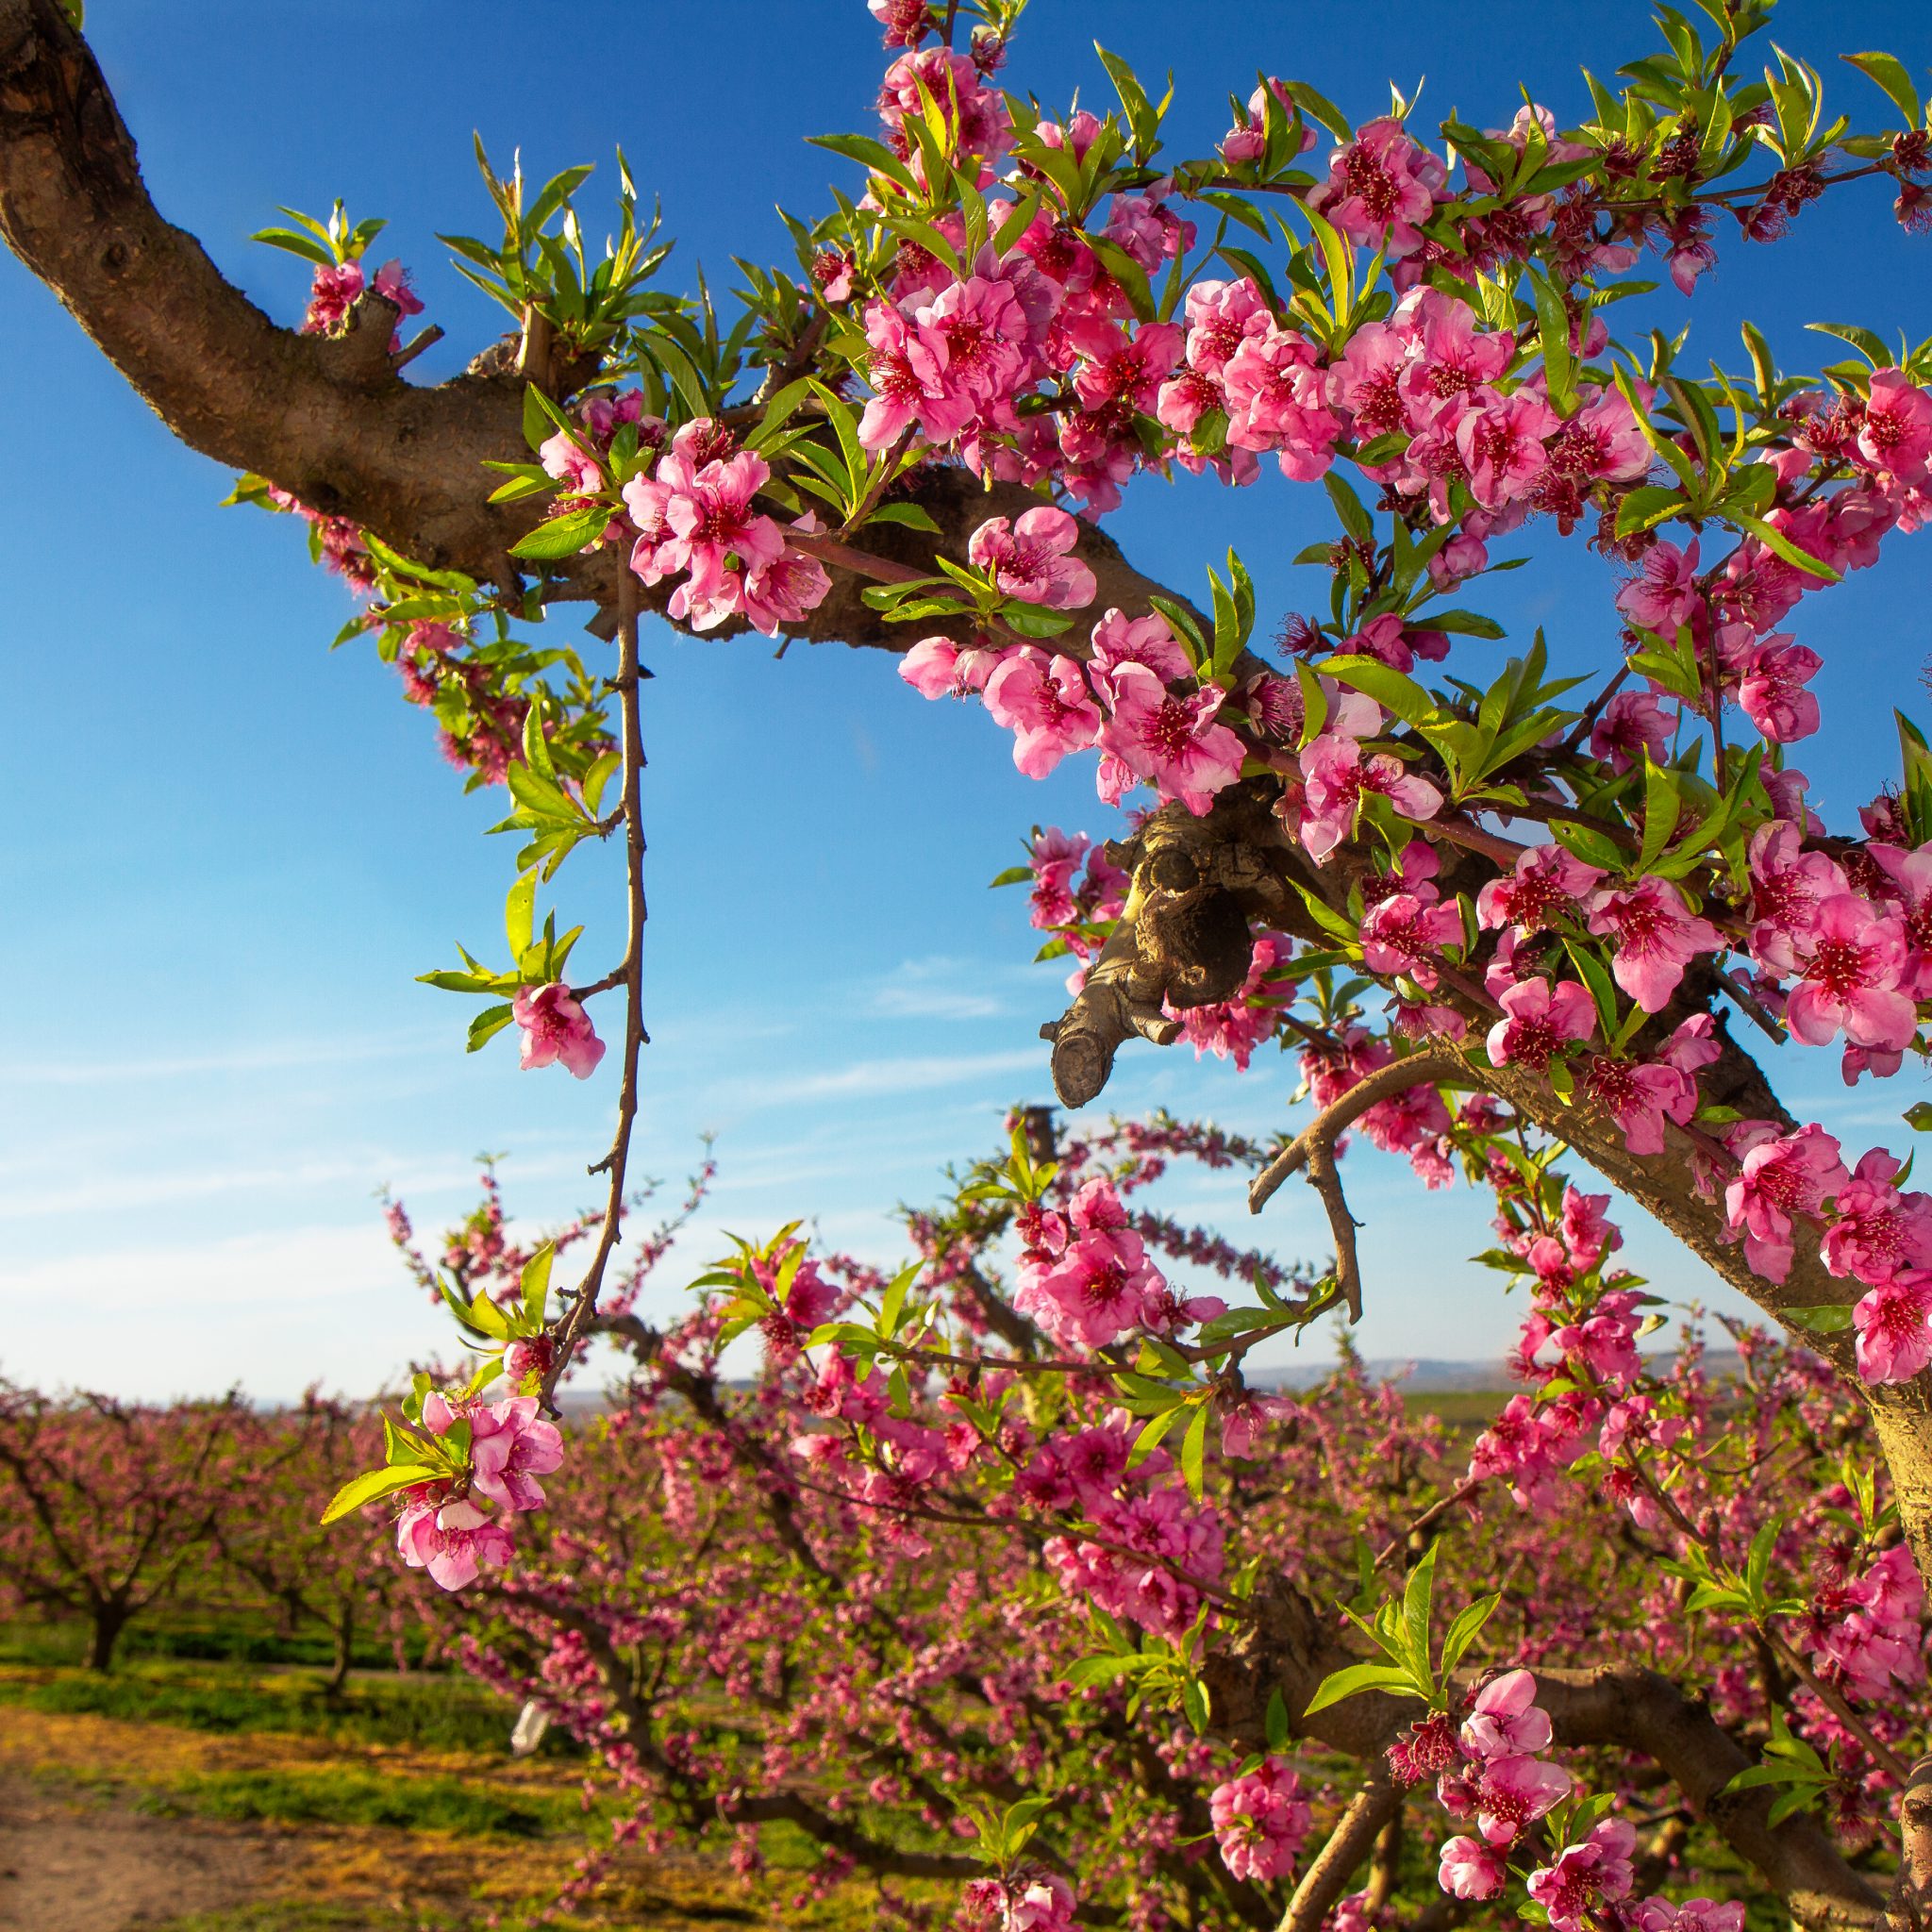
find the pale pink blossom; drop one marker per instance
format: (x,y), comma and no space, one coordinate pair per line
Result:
(1691,1915)
(1653,936)
(936,667)
(1275,401)
(511,1447)
(1027,557)
(453,1542)
(1336,775)
(1119,640)
(1045,702)
(1538,1020)
(1173,743)
(1506,1718)
(1547,884)
(556,1031)
(1778,1176)
(1468,1868)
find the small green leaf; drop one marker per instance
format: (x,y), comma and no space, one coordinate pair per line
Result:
(376,1483)
(488,1024)
(1827,1318)
(564,536)
(1353,1681)
(1890,73)
(1194,1451)
(535,1283)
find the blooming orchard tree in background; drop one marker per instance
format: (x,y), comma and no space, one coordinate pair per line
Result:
(1507,918)
(106,1508)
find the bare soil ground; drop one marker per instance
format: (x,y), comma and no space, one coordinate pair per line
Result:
(71,1863)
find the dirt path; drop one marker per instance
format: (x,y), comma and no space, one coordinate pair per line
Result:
(70,1865)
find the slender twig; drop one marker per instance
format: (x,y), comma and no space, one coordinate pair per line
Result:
(403,357)
(1340,1115)
(571,1330)
(1428,1518)
(1348,1844)
(1751,1006)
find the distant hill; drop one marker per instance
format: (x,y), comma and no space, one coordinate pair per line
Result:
(1425,1375)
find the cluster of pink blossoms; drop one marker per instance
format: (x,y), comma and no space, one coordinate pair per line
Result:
(1027,1900)
(694,514)
(1497,1777)
(1873,1233)
(441,1529)
(1137,698)
(1084,1277)
(1866,1635)
(337,286)
(1433,375)
(1261,1821)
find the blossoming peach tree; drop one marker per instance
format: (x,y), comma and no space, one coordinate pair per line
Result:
(1506,918)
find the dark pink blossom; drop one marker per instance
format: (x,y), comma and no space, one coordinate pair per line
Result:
(511,1446)
(1514,1792)
(1547,883)
(1584,1878)
(1261,1821)
(1381,187)
(1633,723)
(1772,690)
(1896,432)
(1779,1177)
(1850,975)
(1894,1327)
(1665,592)
(1875,1230)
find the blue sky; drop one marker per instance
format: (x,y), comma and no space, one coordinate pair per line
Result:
(233,849)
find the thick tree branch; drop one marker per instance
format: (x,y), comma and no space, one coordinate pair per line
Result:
(327,418)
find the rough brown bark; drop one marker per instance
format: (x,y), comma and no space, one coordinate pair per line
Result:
(329,418)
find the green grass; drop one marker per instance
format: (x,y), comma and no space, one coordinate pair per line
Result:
(294,1915)
(436,1714)
(332,1797)
(187,1633)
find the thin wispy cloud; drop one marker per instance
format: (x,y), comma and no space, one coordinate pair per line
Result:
(268,1056)
(936,989)
(912,1073)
